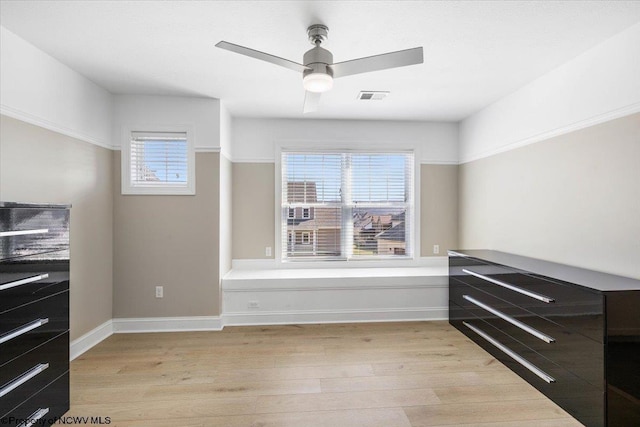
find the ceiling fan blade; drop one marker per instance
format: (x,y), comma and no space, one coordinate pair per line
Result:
(311,102)
(385,61)
(262,56)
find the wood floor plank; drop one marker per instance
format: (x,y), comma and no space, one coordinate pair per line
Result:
(178,408)
(387,417)
(361,418)
(441,379)
(499,392)
(244,388)
(297,373)
(484,412)
(560,422)
(437,364)
(351,400)
(112,395)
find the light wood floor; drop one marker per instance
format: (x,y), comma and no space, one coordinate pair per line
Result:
(380,374)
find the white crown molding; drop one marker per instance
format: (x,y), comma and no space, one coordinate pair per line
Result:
(591,121)
(253,160)
(336,316)
(167,324)
(90,339)
(207,149)
(438,162)
(44,123)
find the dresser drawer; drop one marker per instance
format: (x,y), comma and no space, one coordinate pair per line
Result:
(570,350)
(44,407)
(583,400)
(576,308)
(31,325)
(26,281)
(29,231)
(29,373)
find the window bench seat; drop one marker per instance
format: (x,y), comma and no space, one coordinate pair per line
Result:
(327,295)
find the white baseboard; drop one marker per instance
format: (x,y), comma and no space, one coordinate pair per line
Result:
(90,339)
(336,316)
(216,323)
(167,324)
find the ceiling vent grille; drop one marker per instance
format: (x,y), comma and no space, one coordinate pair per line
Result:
(370,95)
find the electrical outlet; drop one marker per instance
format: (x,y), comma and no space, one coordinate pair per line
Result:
(436,249)
(159,292)
(253,304)
(267,251)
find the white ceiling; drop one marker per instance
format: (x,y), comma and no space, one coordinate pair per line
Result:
(475,52)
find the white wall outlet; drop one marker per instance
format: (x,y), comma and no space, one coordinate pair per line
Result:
(159,292)
(253,304)
(267,251)
(436,249)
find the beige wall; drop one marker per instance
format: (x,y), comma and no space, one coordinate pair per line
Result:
(170,241)
(573,199)
(253,210)
(41,166)
(438,208)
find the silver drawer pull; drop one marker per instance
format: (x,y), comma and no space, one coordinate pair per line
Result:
(35,417)
(536,333)
(510,286)
(23,281)
(23,330)
(23,232)
(512,354)
(23,378)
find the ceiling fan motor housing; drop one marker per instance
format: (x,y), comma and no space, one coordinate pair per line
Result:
(318,60)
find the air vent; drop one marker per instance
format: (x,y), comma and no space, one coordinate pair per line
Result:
(372,95)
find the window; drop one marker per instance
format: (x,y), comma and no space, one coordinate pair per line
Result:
(292,213)
(158,162)
(354,205)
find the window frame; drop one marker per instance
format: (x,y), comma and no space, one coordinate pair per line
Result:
(361,147)
(128,188)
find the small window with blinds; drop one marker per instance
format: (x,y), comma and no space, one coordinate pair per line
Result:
(347,205)
(158,162)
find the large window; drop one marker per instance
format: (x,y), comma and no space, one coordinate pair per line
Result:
(158,163)
(347,205)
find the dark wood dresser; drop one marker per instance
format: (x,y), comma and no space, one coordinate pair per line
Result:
(572,333)
(34,313)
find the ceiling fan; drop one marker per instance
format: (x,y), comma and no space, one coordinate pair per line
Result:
(318,69)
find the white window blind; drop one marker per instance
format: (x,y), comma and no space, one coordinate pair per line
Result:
(346,205)
(311,188)
(159,158)
(159,162)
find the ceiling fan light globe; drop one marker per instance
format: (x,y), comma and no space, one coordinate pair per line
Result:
(317,82)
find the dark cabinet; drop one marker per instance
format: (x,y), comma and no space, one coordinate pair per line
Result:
(572,333)
(34,313)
